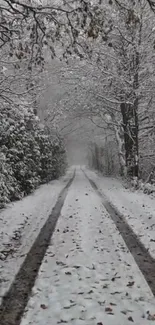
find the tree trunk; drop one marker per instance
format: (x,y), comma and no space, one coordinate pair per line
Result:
(121,149)
(136,85)
(131,127)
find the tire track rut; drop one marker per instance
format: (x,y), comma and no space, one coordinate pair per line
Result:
(144,260)
(15,300)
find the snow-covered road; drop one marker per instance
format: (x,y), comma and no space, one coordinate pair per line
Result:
(137,208)
(88,276)
(20,224)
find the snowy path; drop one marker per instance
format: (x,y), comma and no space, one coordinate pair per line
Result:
(137,208)
(88,276)
(20,224)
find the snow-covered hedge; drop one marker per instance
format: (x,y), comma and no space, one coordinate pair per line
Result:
(146,187)
(29,155)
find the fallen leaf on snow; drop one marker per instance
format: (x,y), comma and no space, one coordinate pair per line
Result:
(101,303)
(151,317)
(91,291)
(130,319)
(62,321)
(115,275)
(68,273)
(105,286)
(65,230)
(124,312)
(91,268)
(76,266)
(114,278)
(130,284)
(68,307)
(108,310)
(43,306)
(60,263)
(115,293)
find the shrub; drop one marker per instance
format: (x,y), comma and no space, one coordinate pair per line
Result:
(29,154)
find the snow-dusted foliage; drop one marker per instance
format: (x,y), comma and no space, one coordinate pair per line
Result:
(116,83)
(29,154)
(103,156)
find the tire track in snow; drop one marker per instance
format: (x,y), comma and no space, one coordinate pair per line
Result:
(15,300)
(144,260)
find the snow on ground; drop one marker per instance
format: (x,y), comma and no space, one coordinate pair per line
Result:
(88,276)
(137,207)
(20,224)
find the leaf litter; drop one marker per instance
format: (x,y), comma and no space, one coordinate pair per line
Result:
(82,297)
